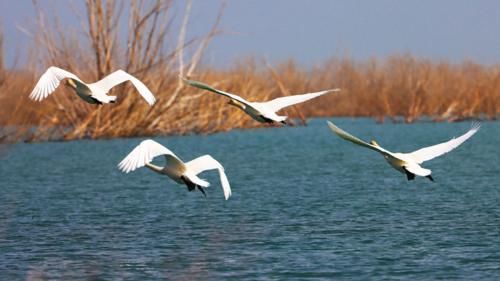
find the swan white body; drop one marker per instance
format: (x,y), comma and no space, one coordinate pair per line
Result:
(264,112)
(95,93)
(409,163)
(180,172)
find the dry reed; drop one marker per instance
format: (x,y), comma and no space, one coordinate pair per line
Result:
(401,88)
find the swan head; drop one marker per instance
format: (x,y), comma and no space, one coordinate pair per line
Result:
(373,142)
(71,83)
(236,103)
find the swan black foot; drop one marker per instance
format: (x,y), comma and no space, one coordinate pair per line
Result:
(96,101)
(429,177)
(202,191)
(409,176)
(190,185)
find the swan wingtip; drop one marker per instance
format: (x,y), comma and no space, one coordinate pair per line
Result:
(475,126)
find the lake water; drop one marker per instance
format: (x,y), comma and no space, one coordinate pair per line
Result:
(305,204)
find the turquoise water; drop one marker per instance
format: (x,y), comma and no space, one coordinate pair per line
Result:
(305,204)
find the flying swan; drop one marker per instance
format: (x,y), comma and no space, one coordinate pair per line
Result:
(409,163)
(264,112)
(180,172)
(95,93)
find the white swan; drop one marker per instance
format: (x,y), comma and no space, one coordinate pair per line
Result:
(95,93)
(409,163)
(183,173)
(264,112)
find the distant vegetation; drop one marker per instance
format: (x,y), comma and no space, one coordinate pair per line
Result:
(400,88)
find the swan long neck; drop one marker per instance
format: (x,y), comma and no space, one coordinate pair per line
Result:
(154,168)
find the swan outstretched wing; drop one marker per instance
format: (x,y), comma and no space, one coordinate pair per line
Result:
(428,153)
(345,135)
(282,102)
(49,81)
(144,153)
(121,76)
(204,86)
(206,162)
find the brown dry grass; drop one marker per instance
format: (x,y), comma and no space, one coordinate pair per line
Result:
(402,88)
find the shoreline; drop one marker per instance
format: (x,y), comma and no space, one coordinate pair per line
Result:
(4,138)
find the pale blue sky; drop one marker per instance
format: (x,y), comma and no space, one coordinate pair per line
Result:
(312,31)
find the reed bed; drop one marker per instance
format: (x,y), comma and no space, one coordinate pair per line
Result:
(401,88)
